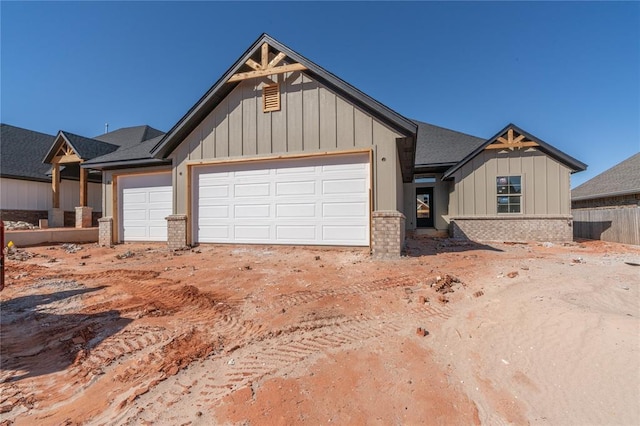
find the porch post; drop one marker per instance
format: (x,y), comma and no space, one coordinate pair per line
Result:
(83,213)
(55,186)
(83,187)
(55,216)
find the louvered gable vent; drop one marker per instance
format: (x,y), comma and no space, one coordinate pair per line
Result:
(271,98)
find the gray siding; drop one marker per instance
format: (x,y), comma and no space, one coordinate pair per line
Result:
(545,184)
(312,119)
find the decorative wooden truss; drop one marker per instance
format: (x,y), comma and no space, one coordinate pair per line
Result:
(511,140)
(266,66)
(65,155)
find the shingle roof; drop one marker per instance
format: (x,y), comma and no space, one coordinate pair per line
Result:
(88,148)
(222,88)
(621,179)
(129,135)
(135,155)
(437,146)
(21,153)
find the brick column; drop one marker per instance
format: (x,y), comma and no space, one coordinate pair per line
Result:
(83,217)
(105,231)
(177,231)
(388,234)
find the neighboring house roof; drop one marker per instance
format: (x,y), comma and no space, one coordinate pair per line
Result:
(138,154)
(567,160)
(222,88)
(129,135)
(440,147)
(21,152)
(621,179)
(85,148)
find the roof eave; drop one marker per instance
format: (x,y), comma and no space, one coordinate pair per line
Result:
(121,164)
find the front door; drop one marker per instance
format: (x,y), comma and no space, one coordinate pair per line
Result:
(424,207)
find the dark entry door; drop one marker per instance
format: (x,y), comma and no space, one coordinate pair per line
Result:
(424,207)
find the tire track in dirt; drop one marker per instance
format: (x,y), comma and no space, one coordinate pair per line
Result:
(278,351)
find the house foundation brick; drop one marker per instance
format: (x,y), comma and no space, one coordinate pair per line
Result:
(105,231)
(84,217)
(30,216)
(177,231)
(506,228)
(387,239)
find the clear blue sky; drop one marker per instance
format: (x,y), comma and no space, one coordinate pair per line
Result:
(568,73)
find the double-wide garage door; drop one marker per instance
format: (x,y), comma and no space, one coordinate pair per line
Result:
(320,200)
(146,202)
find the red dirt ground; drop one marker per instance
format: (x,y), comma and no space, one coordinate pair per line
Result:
(277,335)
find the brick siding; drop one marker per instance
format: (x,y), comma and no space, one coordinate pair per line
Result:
(105,231)
(30,216)
(388,234)
(505,228)
(629,200)
(177,231)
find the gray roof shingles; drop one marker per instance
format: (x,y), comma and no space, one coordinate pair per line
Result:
(21,153)
(88,148)
(623,178)
(140,151)
(128,136)
(439,146)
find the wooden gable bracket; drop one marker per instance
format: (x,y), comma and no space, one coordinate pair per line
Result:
(266,67)
(66,155)
(511,142)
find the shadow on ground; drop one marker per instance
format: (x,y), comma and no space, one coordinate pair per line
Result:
(37,341)
(426,246)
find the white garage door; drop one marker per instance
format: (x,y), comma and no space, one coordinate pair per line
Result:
(316,201)
(146,200)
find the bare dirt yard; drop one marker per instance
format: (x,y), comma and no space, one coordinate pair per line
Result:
(453,333)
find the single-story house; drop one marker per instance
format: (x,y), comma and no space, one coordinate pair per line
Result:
(607,207)
(29,159)
(281,151)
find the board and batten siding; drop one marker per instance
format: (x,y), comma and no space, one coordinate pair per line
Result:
(18,194)
(545,183)
(312,119)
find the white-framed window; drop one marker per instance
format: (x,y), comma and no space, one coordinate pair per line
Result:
(509,194)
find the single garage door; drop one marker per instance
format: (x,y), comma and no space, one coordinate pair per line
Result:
(320,200)
(146,202)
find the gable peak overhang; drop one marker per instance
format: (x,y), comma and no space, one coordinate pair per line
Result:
(511,138)
(62,151)
(267,56)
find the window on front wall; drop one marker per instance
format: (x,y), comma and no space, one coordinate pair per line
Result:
(509,191)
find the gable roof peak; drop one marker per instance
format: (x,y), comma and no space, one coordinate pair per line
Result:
(226,84)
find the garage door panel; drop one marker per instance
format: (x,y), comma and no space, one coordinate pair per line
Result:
(343,186)
(252,232)
(251,190)
(213,191)
(296,188)
(336,210)
(290,233)
(214,212)
(296,210)
(252,211)
(341,233)
(315,200)
(162,197)
(159,214)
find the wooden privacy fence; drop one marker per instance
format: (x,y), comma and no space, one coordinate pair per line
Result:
(621,225)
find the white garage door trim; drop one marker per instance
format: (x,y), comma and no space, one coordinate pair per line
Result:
(145,201)
(318,200)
